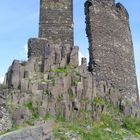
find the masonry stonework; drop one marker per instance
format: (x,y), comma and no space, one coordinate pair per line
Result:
(55,34)
(56,21)
(110,46)
(51,81)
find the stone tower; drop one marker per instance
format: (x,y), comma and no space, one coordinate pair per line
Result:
(110,46)
(56,21)
(55,43)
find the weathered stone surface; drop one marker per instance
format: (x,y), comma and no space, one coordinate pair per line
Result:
(56,21)
(84,61)
(36,47)
(42,132)
(13,75)
(52,83)
(51,55)
(24,85)
(74,56)
(110,46)
(1,115)
(21,115)
(5,120)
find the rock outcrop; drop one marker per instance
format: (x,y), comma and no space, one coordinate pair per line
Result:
(51,83)
(41,132)
(5,120)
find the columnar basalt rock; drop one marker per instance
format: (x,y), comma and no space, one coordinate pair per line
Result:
(51,83)
(110,46)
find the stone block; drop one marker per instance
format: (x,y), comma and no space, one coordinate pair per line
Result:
(21,72)
(14,78)
(20,115)
(74,61)
(24,85)
(84,61)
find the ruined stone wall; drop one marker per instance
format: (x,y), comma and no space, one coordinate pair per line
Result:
(110,46)
(56,21)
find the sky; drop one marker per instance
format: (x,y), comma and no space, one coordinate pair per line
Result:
(19,21)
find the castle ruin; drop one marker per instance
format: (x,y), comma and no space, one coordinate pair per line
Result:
(53,82)
(110,46)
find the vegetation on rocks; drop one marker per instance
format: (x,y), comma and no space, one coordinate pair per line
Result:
(113,125)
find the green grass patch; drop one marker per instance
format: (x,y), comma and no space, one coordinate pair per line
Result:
(99,101)
(47,116)
(34,110)
(29,105)
(70,93)
(113,125)
(132,124)
(60,118)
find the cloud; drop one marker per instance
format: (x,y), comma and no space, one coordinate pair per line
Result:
(1,79)
(24,52)
(26,49)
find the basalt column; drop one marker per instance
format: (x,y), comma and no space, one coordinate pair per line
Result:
(110,46)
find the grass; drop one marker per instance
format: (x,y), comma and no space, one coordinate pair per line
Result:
(59,118)
(47,116)
(106,129)
(29,105)
(113,125)
(71,94)
(64,70)
(83,128)
(46,92)
(99,101)
(132,124)
(34,109)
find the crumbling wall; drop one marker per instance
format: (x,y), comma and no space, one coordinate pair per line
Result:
(110,46)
